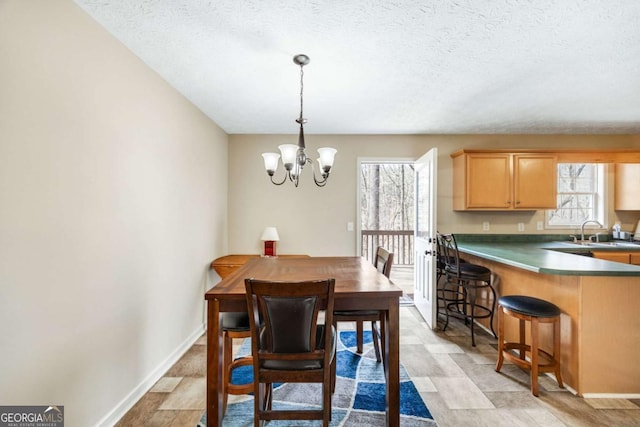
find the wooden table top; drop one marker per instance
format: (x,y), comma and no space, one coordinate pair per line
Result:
(355,276)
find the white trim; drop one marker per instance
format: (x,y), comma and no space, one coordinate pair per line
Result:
(611,395)
(113,416)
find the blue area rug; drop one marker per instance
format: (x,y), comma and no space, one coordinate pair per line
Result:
(359,398)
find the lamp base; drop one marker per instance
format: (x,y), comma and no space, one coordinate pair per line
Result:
(269,248)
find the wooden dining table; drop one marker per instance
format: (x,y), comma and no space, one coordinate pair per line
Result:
(359,286)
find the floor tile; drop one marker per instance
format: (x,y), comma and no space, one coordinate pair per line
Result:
(611,404)
(166,384)
(461,393)
(190,394)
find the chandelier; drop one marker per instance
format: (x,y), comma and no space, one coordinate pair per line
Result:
(294,157)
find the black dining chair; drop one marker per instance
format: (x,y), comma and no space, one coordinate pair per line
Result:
(290,345)
(382,262)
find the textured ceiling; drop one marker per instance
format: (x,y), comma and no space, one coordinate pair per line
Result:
(394,66)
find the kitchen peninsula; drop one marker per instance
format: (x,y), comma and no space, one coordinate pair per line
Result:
(600,325)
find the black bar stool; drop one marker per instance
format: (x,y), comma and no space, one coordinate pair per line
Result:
(463,282)
(535,311)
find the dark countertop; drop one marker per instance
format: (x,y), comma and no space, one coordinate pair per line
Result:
(549,257)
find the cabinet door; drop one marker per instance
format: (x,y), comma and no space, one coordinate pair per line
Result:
(623,257)
(535,181)
(488,181)
(627,187)
(635,258)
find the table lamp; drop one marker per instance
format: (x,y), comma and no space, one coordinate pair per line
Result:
(270,237)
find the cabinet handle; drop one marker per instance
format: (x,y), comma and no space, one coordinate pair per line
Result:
(518,202)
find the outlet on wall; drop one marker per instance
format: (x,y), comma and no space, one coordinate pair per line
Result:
(539,225)
(521,226)
(485,226)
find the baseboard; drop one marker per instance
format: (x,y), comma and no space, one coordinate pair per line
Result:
(611,395)
(127,403)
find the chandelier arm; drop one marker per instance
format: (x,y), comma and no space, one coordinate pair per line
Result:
(322,182)
(284,178)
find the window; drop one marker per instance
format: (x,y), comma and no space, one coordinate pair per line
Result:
(580,195)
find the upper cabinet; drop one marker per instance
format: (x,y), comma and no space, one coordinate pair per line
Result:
(504,181)
(627,187)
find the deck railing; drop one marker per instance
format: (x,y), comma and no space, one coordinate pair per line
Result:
(398,242)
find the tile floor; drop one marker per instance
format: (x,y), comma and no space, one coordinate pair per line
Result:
(458,383)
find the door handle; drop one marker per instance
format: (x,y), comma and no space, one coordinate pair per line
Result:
(427,252)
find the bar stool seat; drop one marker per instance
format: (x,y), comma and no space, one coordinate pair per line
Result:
(534,311)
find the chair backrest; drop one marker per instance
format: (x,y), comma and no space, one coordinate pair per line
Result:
(448,255)
(383,261)
(289,314)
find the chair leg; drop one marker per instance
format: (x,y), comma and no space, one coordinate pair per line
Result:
(523,352)
(226,369)
(326,404)
(258,398)
(446,303)
(333,362)
(375,335)
(333,372)
(269,396)
(383,341)
(493,305)
(556,351)
(472,305)
(535,359)
(359,336)
(500,339)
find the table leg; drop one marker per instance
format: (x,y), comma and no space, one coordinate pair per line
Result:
(214,365)
(392,354)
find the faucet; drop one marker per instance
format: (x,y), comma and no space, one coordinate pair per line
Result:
(585,223)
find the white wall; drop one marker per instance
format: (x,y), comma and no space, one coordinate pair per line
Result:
(113,193)
(313,220)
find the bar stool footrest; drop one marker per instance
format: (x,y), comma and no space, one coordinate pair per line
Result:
(549,366)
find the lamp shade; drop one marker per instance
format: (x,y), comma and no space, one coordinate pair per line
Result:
(270,234)
(271,161)
(289,153)
(327,155)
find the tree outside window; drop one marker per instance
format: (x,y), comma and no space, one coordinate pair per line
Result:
(387,196)
(579,195)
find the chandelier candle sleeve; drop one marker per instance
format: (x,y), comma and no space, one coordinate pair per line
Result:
(293,156)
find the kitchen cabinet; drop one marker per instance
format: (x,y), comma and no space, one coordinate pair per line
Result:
(627,187)
(624,257)
(504,181)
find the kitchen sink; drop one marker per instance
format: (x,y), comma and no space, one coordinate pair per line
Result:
(602,244)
